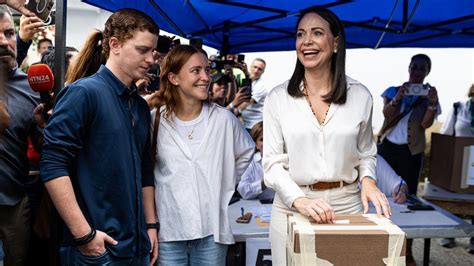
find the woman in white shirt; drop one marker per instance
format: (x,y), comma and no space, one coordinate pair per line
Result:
(460,121)
(318,134)
(251,185)
(202,150)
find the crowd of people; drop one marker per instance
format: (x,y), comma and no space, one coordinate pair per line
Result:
(146,146)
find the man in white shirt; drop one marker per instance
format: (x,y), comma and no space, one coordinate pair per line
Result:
(252,112)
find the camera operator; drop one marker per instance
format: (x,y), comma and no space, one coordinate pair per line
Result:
(408,110)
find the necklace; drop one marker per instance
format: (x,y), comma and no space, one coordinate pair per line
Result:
(306,95)
(190,134)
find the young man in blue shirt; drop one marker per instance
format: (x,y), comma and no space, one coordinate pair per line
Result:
(96,161)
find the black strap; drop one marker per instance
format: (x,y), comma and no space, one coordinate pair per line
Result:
(156,125)
(397,119)
(456,109)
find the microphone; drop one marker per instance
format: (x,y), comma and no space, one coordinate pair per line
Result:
(41,79)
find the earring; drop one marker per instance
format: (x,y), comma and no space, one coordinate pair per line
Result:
(335,51)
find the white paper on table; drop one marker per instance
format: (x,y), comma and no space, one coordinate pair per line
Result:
(467,178)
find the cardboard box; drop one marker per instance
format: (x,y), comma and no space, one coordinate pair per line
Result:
(356,239)
(449,163)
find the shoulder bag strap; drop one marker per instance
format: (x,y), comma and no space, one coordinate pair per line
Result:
(154,139)
(397,119)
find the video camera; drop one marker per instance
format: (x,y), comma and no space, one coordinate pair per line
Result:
(165,43)
(218,63)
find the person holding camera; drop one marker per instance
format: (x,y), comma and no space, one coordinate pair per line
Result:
(409,110)
(252,111)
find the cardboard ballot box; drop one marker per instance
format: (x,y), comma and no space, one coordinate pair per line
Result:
(452,163)
(355,239)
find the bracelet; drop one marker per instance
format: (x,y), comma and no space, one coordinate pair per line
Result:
(231,105)
(432,108)
(153,226)
(85,239)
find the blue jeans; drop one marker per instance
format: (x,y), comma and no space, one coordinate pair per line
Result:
(197,252)
(71,256)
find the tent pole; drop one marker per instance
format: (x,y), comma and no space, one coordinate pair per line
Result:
(386,25)
(410,18)
(60,45)
(225,42)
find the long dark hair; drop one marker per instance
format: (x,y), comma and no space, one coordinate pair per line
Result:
(338,91)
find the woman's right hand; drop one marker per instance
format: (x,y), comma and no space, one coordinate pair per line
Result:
(402,91)
(317,208)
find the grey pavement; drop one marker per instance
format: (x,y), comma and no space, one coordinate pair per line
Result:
(444,256)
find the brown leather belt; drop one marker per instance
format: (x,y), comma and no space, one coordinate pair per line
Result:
(328,185)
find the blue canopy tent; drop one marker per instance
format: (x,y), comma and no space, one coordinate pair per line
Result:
(268,25)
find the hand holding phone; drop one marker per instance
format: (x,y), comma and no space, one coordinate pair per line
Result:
(42,8)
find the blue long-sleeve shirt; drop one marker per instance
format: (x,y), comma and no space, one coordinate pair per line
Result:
(99,136)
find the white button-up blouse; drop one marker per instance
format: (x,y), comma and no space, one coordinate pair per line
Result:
(193,191)
(298,151)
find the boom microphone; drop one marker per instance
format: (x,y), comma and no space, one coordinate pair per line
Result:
(41,79)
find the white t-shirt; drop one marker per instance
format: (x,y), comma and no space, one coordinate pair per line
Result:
(254,112)
(462,122)
(193,131)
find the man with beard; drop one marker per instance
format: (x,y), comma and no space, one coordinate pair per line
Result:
(19,102)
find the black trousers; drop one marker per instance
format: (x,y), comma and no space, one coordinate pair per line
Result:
(405,164)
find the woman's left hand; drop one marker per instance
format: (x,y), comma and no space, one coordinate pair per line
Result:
(370,192)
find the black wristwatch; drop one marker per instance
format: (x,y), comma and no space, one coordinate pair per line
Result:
(153,226)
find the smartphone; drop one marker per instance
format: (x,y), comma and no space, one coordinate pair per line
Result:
(247,85)
(42,8)
(244,219)
(154,71)
(240,58)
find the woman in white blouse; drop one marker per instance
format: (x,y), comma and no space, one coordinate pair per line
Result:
(318,134)
(202,150)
